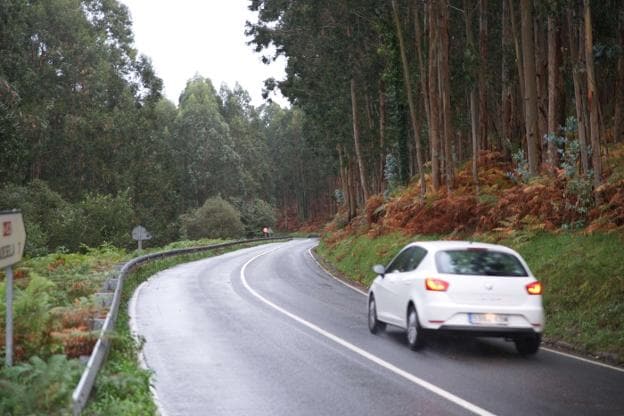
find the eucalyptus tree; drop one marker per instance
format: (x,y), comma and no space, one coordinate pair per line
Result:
(249,141)
(203,147)
(331,67)
(70,73)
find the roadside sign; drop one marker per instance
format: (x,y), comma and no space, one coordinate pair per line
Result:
(12,238)
(140,234)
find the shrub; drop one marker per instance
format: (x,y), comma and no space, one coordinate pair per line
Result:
(217,218)
(31,307)
(105,218)
(51,222)
(39,387)
(255,215)
(46,214)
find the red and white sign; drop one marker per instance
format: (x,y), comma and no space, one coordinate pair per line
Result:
(6,229)
(12,239)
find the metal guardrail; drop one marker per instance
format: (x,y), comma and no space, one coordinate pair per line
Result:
(81,393)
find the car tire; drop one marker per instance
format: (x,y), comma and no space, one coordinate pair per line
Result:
(415,333)
(528,345)
(374,325)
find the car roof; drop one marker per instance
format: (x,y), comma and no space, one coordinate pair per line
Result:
(454,245)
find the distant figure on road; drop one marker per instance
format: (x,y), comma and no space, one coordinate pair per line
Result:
(265,231)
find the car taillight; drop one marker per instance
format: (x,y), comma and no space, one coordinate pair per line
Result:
(437,285)
(534,288)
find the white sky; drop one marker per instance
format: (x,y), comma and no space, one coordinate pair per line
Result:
(205,37)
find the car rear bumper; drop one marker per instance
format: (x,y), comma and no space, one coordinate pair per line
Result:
(486,331)
(526,318)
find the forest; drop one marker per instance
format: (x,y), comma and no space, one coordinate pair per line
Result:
(384,95)
(91,148)
(497,120)
(431,92)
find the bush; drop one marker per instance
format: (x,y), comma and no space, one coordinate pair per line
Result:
(51,222)
(31,318)
(106,219)
(47,216)
(39,387)
(217,218)
(255,215)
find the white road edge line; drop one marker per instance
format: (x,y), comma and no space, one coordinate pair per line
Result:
(365,354)
(598,363)
(135,334)
(334,277)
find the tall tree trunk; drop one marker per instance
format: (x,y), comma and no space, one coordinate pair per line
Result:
(410,99)
(506,94)
(356,141)
(541,71)
(382,134)
(553,105)
(344,183)
(581,114)
(618,123)
(473,98)
(445,84)
(530,87)
(422,70)
(434,122)
(517,48)
(352,193)
(483,54)
(592,96)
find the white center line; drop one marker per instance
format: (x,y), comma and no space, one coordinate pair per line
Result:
(365,354)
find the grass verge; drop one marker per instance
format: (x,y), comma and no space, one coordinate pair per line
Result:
(583,276)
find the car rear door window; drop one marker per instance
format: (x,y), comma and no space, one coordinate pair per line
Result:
(479,262)
(407,260)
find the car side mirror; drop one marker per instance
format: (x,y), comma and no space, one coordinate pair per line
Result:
(379,269)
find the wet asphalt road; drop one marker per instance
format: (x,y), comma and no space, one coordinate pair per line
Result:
(278,336)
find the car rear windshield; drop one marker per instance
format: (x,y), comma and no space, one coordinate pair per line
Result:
(479,262)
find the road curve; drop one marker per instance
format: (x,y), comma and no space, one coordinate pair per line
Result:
(265,331)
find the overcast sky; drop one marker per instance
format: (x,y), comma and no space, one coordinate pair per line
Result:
(205,37)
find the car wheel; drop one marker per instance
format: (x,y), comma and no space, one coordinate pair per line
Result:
(374,325)
(415,334)
(528,345)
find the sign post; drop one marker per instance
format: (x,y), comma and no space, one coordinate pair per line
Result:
(139,233)
(12,242)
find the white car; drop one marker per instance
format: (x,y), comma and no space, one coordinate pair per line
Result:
(458,286)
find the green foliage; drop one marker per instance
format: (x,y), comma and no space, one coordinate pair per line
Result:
(579,186)
(217,218)
(47,216)
(31,315)
(106,218)
(52,223)
(39,387)
(203,146)
(355,256)
(583,277)
(521,172)
(255,215)
(391,172)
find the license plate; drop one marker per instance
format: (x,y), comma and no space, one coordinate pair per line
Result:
(488,319)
